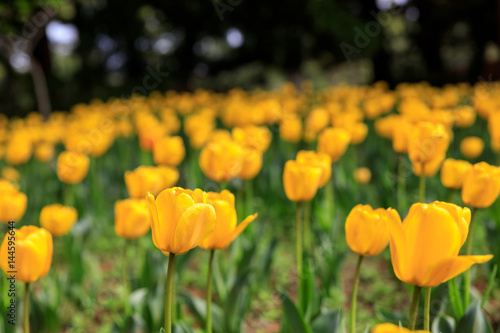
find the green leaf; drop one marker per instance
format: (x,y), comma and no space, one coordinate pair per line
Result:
(394,317)
(198,307)
(443,324)
(294,319)
(491,283)
(474,321)
(237,303)
(455,298)
(328,322)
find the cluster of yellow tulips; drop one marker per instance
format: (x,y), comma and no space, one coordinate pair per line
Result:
(232,139)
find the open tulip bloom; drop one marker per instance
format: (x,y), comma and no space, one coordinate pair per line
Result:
(425,247)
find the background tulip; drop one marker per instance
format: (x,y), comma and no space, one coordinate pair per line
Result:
(131,218)
(72,167)
(251,164)
(301,181)
(291,129)
(320,160)
(481,185)
(58,219)
(471,147)
(222,160)
(420,254)
(427,144)
(333,142)
(12,205)
(391,328)
(146,179)
(44,151)
(169,151)
(453,172)
(362,175)
(33,253)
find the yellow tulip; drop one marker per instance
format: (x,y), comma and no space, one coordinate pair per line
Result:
(481,185)
(72,167)
(420,254)
(300,180)
(18,149)
(320,160)
(358,132)
(362,175)
(291,129)
(471,147)
(44,151)
(180,219)
(131,218)
(169,151)
(10,174)
(252,137)
(12,205)
(430,168)
(333,142)
(226,229)
(494,126)
(453,172)
(391,328)
(33,253)
(222,160)
(251,164)
(58,219)
(317,120)
(400,135)
(146,179)
(427,143)
(367,229)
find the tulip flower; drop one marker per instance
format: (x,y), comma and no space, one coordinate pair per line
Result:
(367,234)
(301,181)
(453,173)
(225,232)
(320,160)
(72,167)
(481,185)
(333,142)
(169,151)
(180,220)
(10,174)
(19,149)
(44,152)
(252,137)
(131,218)
(58,219)
(291,129)
(146,179)
(421,256)
(251,164)
(221,161)
(12,204)
(362,175)
(391,328)
(26,254)
(471,147)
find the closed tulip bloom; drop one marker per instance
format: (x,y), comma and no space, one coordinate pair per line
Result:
(391,328)
(33,253)
(10,174)
(131,218)
(146,179)
(429,168)
(72,167)
(12,205)
(169,151)
(362,175)
(252,137)
(180,219)
(221,161)
(400,135)
(481,185)
(453,172)
(226,229)
(333,142)
(251,164)
(471,147)
(291,129)
(358,132)
(367,229)
(18,150)
(300,180)
(320,160)
(420,253)
(317,120)
(58,219)
(427,142)
(44,151)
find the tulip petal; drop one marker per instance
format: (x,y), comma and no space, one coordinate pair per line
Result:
(29,258)
(239,229)
(195,224)
(448,268)
(398,247)
(153,217)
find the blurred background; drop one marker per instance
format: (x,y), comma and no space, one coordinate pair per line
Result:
(57,53)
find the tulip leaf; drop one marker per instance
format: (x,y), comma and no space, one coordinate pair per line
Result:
(474,321)
(443,324)
(455,298)
(328,322)
(237,303)
(491,283)
(394,317)
(181,327)
(294,320)
(198,307)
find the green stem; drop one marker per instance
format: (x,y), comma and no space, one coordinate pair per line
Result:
(27,308)
(126,281)
(69,194)
(208,328)
(168,292)
(414,307)
(427,306)
(355,294)
(298,247)
(307,225)
(421,192)
(401,183)
(468,249)
(248,197)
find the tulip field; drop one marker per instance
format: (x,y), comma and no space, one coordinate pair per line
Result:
(350,209)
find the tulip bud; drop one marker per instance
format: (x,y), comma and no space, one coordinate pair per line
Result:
(291,129)
(251,164)
(72,167)
(146,179)
(471,147)
(362,175)
(481,185)
(44,151)
(33,255)
(427,143)
(12,204)
(58,219)
(169,151)
(367,231)
(131,218)
(221,161)
(453,172)
(301,181)
(319,160)
(391,328)
(333,142)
